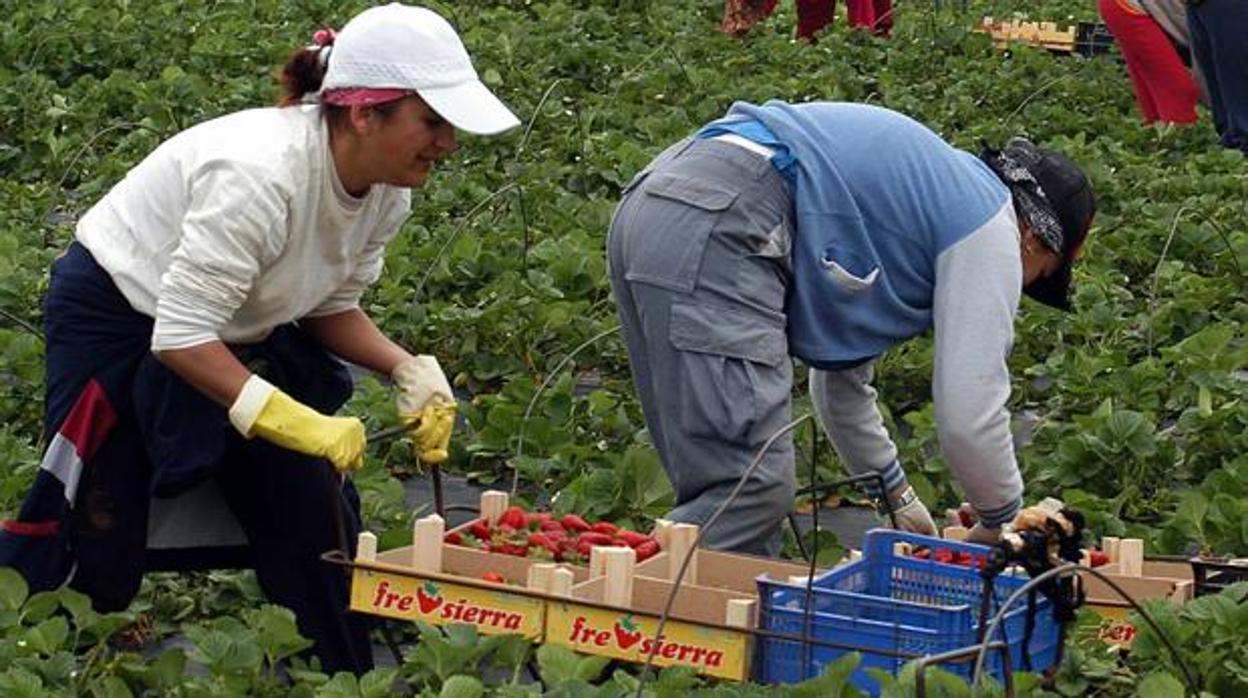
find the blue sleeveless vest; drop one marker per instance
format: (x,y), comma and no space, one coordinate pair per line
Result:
(878,198)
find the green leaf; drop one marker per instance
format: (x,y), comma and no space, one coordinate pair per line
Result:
(378,683)
(20,683)
(47,636)
(589,667)
(833,682)
(111,687)
(1159,684)
(165,672)
(556,664)
(13,589)
(460,686)
(276,632)
(342,685)
(39,606)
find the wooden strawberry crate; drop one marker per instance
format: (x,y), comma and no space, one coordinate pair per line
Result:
(493,506)
(713,569)
(617,615)
(442,584)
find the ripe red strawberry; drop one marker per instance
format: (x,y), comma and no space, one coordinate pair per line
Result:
(1098,558)
(540,541)
(595,538)
(551,525)
(494,577)
(966,518)
(480,529)
(632,538)
(454,538)
(513,517)
(605,527)
(572,522)
(647,550)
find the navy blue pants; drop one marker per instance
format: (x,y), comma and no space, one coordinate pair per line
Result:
(1220,47)
(163,437)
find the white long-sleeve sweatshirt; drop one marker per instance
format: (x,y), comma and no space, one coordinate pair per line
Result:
(238,225)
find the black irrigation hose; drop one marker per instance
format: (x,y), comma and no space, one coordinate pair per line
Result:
(706,525)
(528,410)
(807,650)
(1057,572)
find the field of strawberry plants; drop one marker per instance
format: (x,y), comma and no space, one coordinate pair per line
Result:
(1133,409)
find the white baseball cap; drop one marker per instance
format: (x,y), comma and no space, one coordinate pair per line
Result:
(402,47)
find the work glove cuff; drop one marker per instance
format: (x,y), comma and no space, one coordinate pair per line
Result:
(983,535)
(419,380)
(249,403)
(912,515)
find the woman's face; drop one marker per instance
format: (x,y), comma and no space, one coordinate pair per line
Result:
(404,144)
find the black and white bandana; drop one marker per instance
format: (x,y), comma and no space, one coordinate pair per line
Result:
(1015,166)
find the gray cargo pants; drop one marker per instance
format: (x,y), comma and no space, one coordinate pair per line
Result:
(699,261)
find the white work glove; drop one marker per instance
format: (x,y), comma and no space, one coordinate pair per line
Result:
(983,535)
(911,513)
(419,380)
(426,406)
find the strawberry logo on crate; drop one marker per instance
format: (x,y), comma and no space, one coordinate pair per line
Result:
(1120,634)
(625,636)
(626,632)
(429,597)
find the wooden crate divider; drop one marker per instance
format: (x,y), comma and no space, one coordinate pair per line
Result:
(1141,577)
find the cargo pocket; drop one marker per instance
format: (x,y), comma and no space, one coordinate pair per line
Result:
(675,222)
(734,371)
(848,272)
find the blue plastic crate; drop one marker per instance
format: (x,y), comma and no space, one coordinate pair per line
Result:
(892,609)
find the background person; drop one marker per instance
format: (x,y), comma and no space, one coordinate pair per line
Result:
(1146,32)
(831,232)
(812,15)
(1219,28)
(191,326)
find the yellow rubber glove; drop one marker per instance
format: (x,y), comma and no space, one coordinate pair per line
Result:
(265,411)
(431,430)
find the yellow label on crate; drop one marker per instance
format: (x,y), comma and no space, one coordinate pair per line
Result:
(711,651)
(440,603)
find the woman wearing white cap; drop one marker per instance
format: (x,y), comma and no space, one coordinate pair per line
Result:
(190,327)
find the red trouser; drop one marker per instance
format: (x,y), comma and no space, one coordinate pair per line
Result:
(813,15)
(1164,89)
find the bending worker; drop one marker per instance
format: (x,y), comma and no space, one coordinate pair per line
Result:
(190,325)
(831,232)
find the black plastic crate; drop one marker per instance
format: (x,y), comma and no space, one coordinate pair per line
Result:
(1212,575)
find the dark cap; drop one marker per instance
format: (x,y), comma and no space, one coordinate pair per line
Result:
(1064,193)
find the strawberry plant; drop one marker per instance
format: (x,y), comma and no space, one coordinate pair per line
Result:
(1133,408)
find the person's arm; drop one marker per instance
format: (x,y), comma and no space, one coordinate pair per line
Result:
(354,337)
(978,286)
(845,403)
(211,368)
(233,226)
